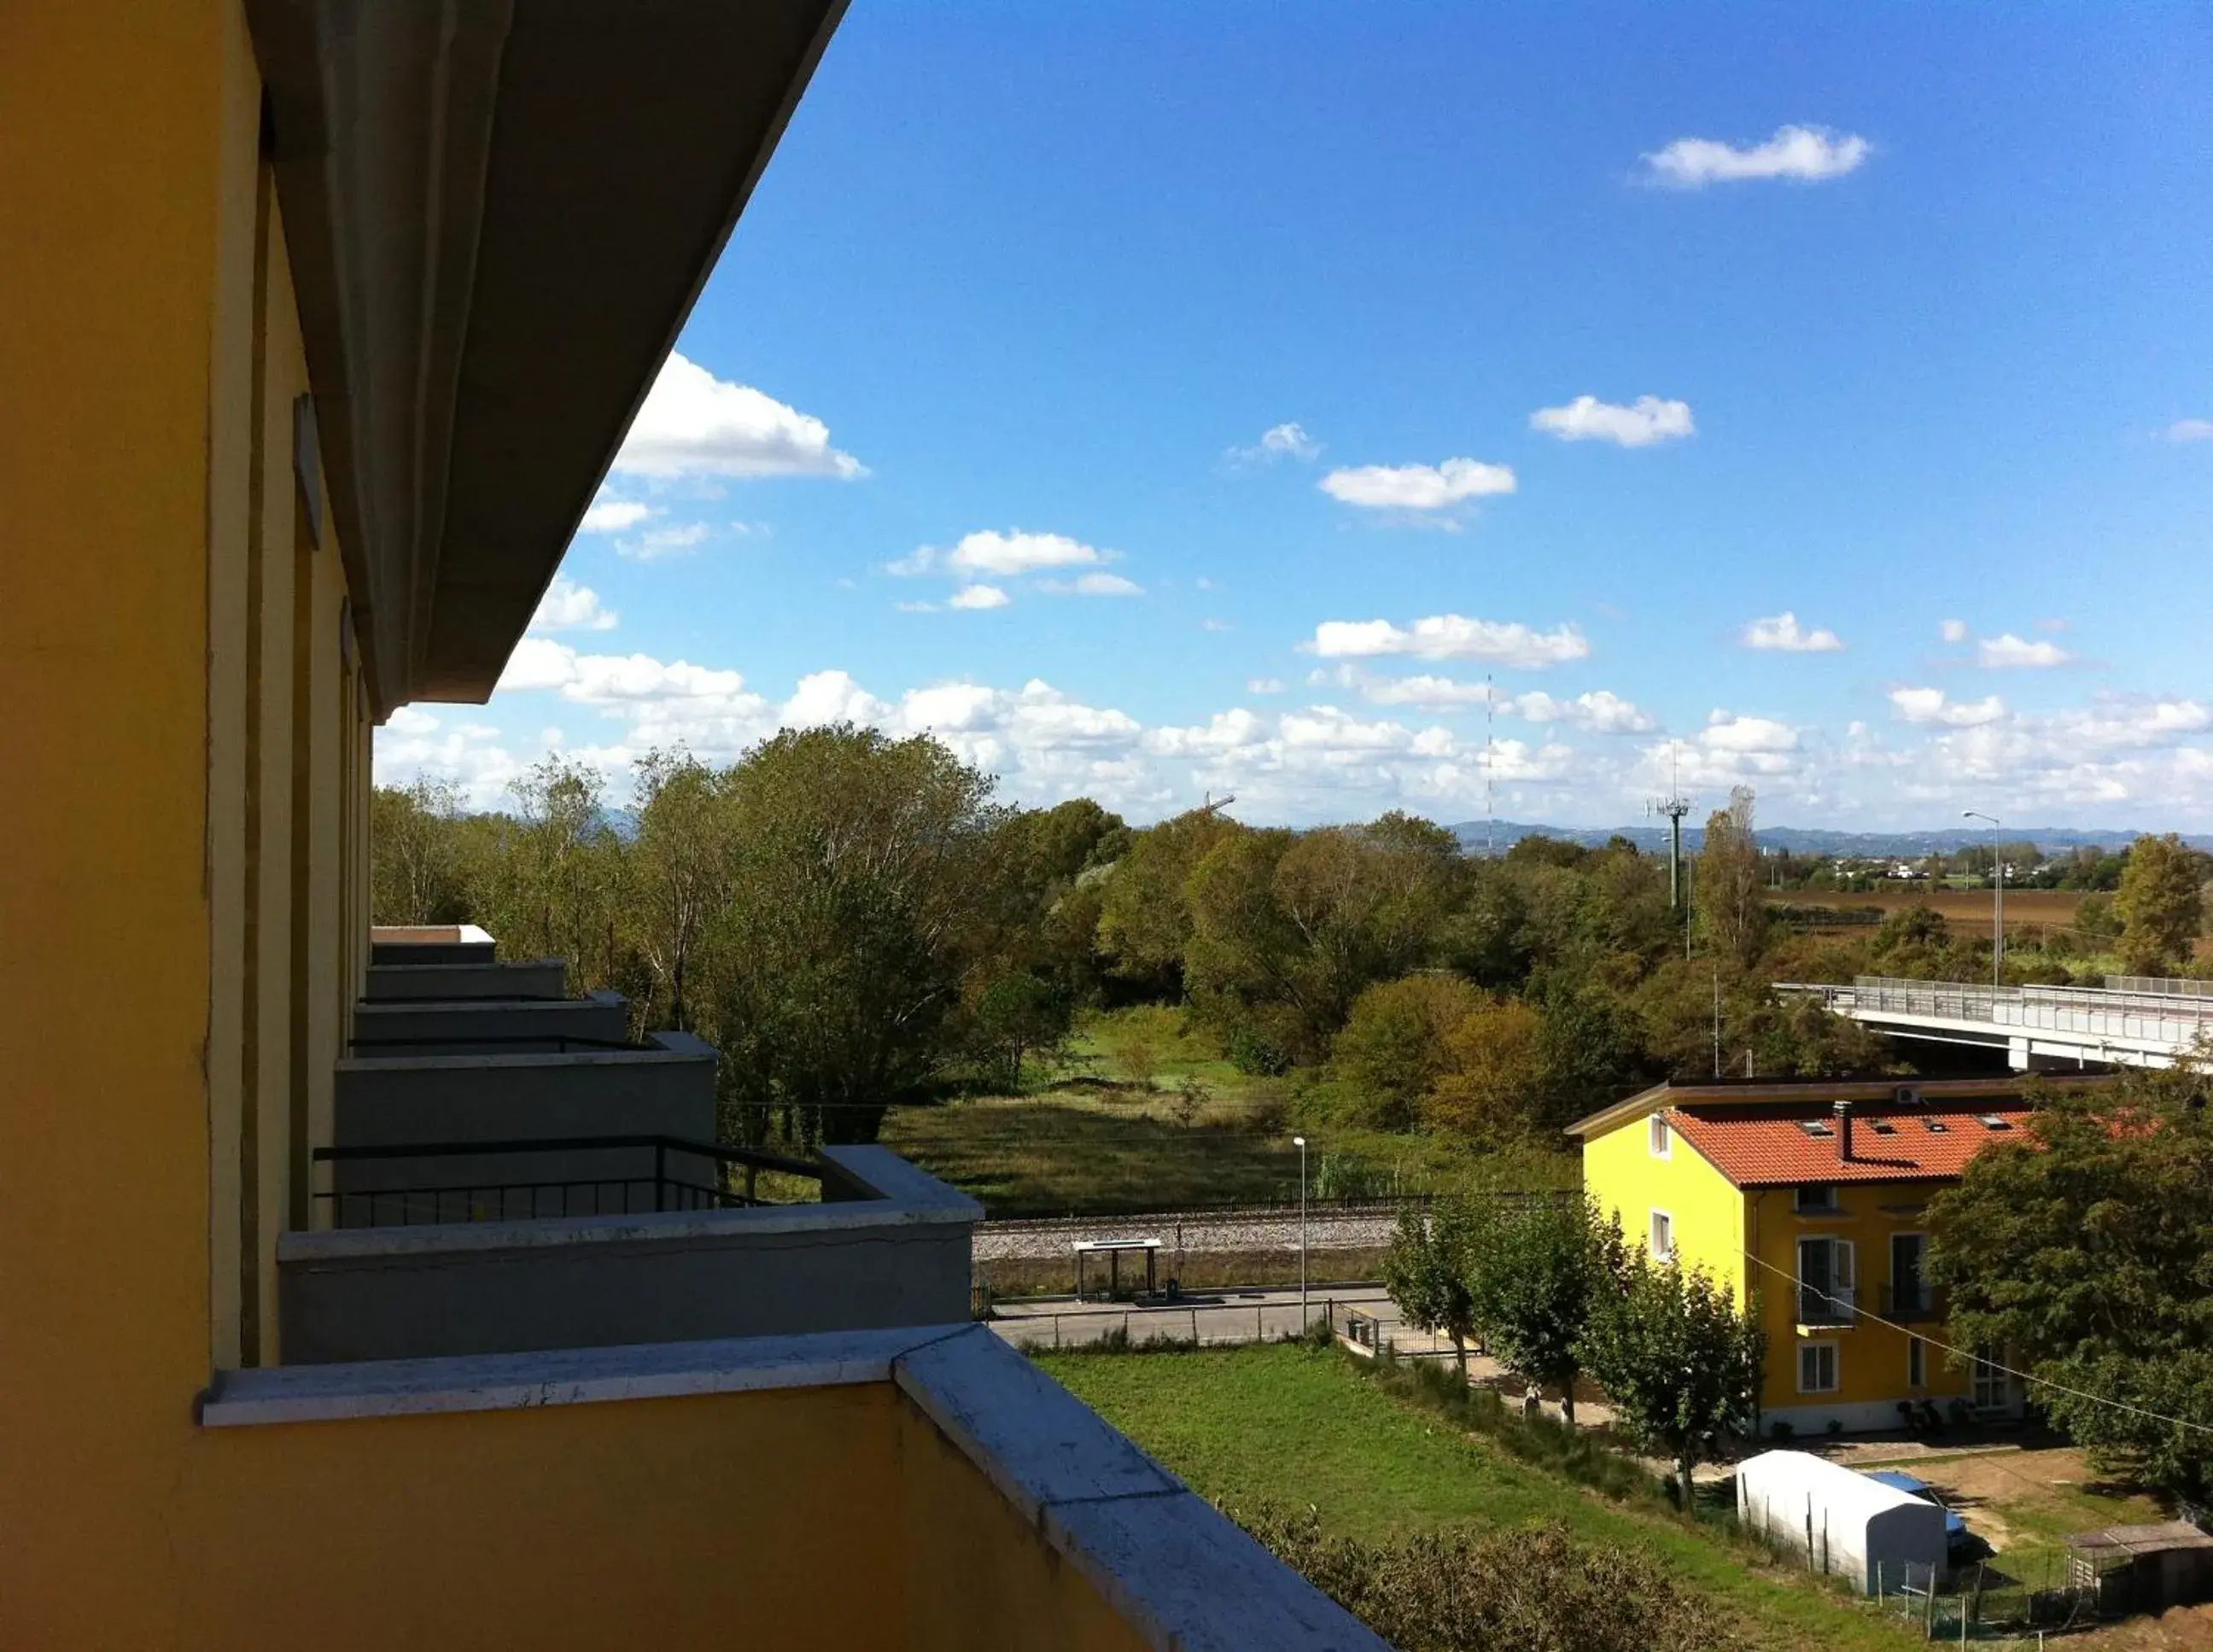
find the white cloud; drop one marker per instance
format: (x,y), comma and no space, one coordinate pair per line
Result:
(1930,705)
(1647,420)
(1805,154)
(1017,552)
(978,597)
(1599,711)
(1265,686)
(1451,636)
(2010,652)
(416,745)
(1277,442)
(2190,430)
(1417,487)
(1216,625)
(1952,630)
(567,606)
(410,719)
(656,543)
(826,696)
(1725,731)
(1783,633)
(614,516)
(1429,692)
(1093,585)
(692,424)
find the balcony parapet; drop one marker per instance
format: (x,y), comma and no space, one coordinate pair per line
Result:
(490,1025)
(894,1250)
(539,978)
(429,943)
(664,1087)
(1175,1569)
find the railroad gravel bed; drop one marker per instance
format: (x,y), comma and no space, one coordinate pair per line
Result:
(1334,1227)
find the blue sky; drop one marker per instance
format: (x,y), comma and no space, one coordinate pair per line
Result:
(1602,341)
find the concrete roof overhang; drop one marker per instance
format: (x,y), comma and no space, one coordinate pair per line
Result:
(498,214)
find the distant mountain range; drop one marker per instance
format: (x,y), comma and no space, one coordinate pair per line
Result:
(1805,840)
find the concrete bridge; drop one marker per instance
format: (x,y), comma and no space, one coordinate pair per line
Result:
(2131,1022)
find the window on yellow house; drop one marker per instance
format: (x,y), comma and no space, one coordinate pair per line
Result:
(1916,1363)
(1661,1135)
(1664,1236)
(1817,1367)
(1993,1389)
(1813,1197)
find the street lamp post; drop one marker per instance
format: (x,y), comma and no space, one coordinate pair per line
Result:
(1302,1141)
(1998,893)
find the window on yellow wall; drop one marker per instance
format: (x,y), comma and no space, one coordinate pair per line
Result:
(1661,1135)
(1664,1236)
(1916,1363)
(1817,1367)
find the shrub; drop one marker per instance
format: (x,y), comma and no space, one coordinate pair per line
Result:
(1255,1053)
(1393,1048)
(1533,1590)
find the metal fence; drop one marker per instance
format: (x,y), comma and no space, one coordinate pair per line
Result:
(2017,1599)
(1201,1325)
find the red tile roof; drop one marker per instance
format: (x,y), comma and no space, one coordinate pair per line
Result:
(1766,1146)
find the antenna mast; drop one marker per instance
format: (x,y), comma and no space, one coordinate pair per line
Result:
(1674,806)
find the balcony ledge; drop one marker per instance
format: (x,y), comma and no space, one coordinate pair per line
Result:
(904,1197)
(1169,1563)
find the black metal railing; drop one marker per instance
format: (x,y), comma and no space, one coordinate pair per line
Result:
(1826,1304)
(496,1043)
(684,1176)
(1910,1301)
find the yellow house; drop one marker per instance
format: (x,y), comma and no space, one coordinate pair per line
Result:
(1813,1196)
(323,320)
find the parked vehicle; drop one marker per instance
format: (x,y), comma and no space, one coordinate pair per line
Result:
(1956,1536)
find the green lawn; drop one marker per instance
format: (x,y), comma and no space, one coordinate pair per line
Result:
(1294,1426)
(1101,1133)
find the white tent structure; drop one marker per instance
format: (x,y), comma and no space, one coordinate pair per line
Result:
(1844,1522)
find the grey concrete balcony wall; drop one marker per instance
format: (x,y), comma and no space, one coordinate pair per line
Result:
(897,1259)
(429,943)
(667,1089)
(489,1027)
(542,978)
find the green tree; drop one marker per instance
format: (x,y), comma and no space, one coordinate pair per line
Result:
(860,883)
(2084,1252)
(2160,904)
(1534,1269)
(1679,1360)
(1018,1016)
(1492,1082)
(1144,919)
(1394,1044)
(681,861)
(416,873)
(1730,909)
(1425,1272)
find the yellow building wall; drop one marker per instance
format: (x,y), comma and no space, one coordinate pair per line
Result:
(182,925)
(1628,1182)
(1871,1357)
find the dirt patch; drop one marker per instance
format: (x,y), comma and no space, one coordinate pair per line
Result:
(2027,1502)
(2180,1628)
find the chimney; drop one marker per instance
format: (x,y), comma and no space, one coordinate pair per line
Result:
(1843,1110)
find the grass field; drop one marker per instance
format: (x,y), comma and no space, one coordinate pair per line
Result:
(1100,1133)
(1965,909)
(1295,1427)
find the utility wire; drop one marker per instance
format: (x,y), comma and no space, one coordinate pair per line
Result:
(2043,1382)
